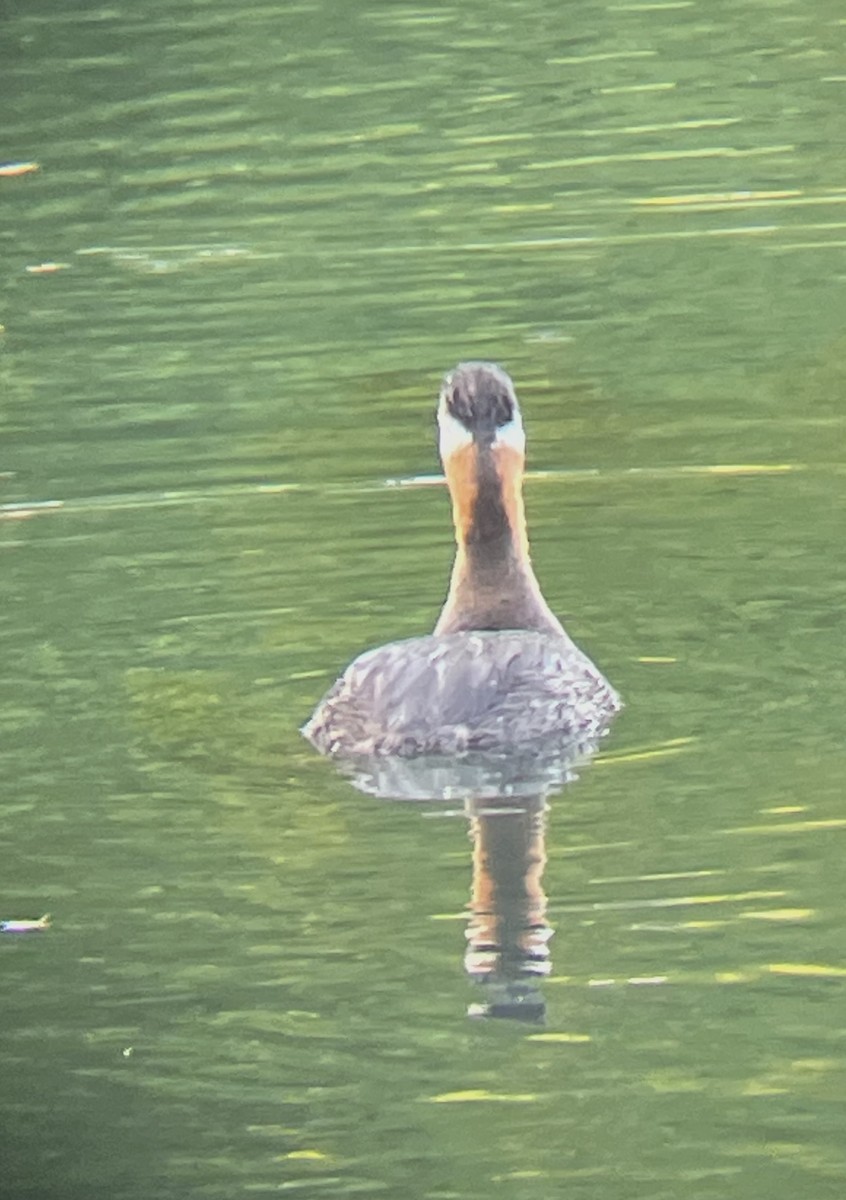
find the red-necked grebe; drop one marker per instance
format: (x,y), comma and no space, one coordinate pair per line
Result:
(499,671)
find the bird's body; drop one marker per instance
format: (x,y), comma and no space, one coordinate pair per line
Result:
(499,672)
(463,691)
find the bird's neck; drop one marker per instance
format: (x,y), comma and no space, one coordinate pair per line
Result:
(493,584)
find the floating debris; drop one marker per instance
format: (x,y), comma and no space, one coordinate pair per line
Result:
(8,170)
(23,512)
(24,926)
(157,260)
(476,1095)
(47,268)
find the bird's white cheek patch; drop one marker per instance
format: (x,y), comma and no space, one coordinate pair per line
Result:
(452,434)
(512,435)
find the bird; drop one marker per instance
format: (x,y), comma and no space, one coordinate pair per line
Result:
(499,673)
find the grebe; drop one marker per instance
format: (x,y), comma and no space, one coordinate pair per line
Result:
(499,672)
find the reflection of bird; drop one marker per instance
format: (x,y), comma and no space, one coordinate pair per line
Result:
(499,671)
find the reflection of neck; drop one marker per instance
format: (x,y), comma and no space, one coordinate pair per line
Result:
(508,934)
(493,585)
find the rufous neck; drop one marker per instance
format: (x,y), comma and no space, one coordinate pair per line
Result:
(486,486)
(493,585)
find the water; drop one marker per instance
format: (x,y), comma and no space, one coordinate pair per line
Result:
(255,240)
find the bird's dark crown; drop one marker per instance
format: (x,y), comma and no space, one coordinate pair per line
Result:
(480,395)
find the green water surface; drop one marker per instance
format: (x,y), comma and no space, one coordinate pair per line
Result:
(256,237)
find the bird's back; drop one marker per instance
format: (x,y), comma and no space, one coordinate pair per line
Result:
(446,694)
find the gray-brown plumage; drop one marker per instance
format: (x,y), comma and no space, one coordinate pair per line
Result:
(463,691)
(499,672)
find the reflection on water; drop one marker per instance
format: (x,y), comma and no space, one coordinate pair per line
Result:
(508,936)
(505,801)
